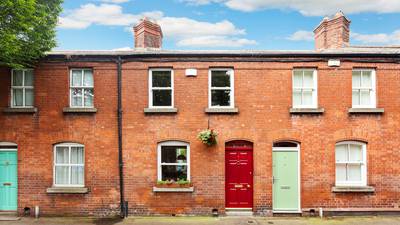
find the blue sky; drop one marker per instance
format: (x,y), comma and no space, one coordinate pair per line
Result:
(223,24)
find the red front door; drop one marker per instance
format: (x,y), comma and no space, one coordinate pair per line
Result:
(239,175)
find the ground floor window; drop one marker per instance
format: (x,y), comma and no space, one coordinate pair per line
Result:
(173,161)
(351,164)
(69,165)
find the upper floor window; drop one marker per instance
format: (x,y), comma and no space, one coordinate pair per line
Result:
(173,161)
(305,88)
(69,165)
(22,88)
(221,88)
(161,88)
(363,88)
(81,88)
(351,164)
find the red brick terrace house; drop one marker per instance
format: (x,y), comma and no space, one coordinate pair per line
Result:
(298,131)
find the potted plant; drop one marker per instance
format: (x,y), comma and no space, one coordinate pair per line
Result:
(208,137)
(180,183)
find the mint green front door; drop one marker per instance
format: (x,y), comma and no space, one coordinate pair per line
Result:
(285,181)
(8,180)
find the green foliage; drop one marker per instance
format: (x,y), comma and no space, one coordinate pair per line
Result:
(27,30)
(208,137)
(167,182)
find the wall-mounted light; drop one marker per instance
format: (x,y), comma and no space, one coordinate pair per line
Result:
(191,72)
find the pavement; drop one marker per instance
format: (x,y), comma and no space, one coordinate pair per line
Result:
(376,220)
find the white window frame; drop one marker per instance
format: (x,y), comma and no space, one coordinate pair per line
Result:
(363,164)
(80,87)
(314,89)
(372,92)
(151,88)
(23,87)
(231,88)
(160,164)
(69,146)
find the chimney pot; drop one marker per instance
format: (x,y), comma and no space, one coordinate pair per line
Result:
(148,34)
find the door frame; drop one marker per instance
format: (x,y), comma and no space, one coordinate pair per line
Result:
(12,149)
(289,149)
(240,148)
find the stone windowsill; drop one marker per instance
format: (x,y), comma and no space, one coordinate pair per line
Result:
(67,190)
(79,110)
(160,110)
(307,110)
(366,110)
(365,189)
(20,110)
(162,189)
(222,110)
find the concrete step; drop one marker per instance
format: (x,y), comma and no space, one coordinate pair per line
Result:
(9,216)
(239,212)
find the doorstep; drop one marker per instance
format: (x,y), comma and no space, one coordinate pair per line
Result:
(239,211)
(9,216)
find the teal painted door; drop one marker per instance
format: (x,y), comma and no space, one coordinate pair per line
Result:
(285,181)
(8,180)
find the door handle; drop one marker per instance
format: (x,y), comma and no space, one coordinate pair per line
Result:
(248,185)
(6,184)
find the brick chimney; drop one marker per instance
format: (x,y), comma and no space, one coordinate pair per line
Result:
(148,34)
(332,33)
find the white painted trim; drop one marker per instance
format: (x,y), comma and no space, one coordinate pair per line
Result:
(23,87)
(373,90)
(4,143)
(290,149)
(160,88)
(314,89)
(364,175)
(69,145)
(286,211)
(80,87)
(8,149)
(172,143)
(232,88)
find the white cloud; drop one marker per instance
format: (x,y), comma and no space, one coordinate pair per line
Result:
(382,38)
(301,35)
(185,31)
(215,41)
(309,7)
(115,1)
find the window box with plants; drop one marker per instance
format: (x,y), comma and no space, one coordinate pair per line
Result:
(174,184)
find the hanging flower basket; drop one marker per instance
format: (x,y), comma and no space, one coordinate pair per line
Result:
(208,137)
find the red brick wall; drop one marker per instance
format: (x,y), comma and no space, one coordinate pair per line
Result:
(263,96)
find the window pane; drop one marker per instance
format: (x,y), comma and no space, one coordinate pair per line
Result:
(161,78)
(17,78)
(220,79)
(356,78)
(88,78)
(356,97)
(62,175)
(89,97)
(296,98)
(340,173)
(308,79)
(162,98)
(28,78)
(76,155)
(76,97)
(62,155)
(354,172)
(341,153)
(366,79)
(356,153)
(307,98)
(220,97)
(76,78)
(77,175)
(173,154)
(365,97)
(298,79)
(18,97)
(28,97)
(174,173)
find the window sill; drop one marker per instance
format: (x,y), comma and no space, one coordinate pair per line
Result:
(20,110)
(160,110)
(162,189)
(366,110)
(306,110)
(79,110)
(364,189)
(222,110)
(67,190)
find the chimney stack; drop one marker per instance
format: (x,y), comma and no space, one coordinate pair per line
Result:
(333,33)
(148,34)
